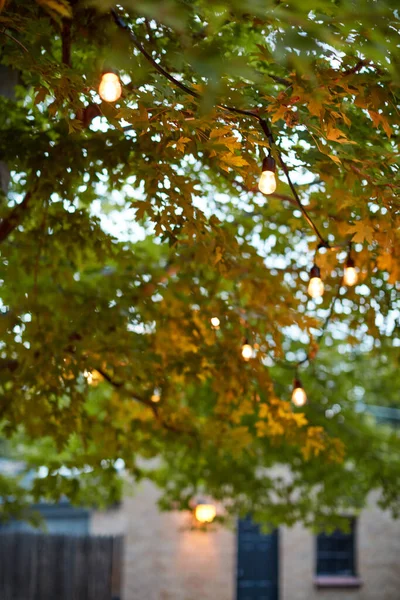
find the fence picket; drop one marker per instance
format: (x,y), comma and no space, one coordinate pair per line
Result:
(45,567)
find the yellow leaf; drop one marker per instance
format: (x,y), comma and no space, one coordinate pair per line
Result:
(335,135)
(384,261)
(180,144)
(60,7)
(231,142)
(218,255)
(378,119)
(220,132)
(300,419)
(315,107)
(279,114)
(346,119)
(263,411)
(335,159)
(233,160)
(361,232)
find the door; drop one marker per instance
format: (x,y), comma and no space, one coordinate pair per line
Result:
(257,562)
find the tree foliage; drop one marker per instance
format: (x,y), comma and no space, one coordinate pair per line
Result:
(127,226)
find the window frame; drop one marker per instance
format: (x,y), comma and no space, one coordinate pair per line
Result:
(352,554)
(348,577)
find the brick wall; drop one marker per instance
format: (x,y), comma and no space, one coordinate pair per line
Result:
(164,560)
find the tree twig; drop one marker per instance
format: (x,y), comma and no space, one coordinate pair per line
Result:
(11,37)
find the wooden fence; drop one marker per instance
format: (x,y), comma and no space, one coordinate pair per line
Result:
(59,567)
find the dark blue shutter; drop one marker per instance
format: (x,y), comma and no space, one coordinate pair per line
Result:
(257,563)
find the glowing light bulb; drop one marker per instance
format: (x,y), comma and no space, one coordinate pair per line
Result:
(350,276)
(205,513)
(110,88)
(299,397)
(247,350)
(215,322)
(267,183)
(316,286)
(156,396)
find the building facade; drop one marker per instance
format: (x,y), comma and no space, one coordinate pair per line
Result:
(164,559)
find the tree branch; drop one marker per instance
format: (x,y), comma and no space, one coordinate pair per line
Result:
(11,37)
(248,113)
(66,43)
(148,403)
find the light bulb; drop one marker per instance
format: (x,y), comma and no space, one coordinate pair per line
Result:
(350,276)
(215,322)
(247,351)
(299,397)
(316,286)
(205,513)
(267,183)
(110,88)
(156,396)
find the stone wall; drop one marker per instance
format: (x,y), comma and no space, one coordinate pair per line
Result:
(165,560)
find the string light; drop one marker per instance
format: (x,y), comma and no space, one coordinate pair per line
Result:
(156,396)
(215,322)
(299,397)
(316,286)
(267,183)
(110,88)
(247,350)
(350,276)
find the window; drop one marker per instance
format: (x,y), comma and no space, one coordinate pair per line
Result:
(336,553)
